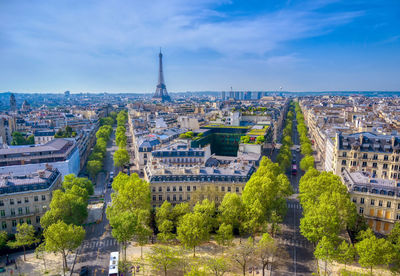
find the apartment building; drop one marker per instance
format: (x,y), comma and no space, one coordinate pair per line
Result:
(26,197)
(177,184)
(376,154)
(61,153)
(378,200)
(43,136)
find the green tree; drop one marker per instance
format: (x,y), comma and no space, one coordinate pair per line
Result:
(94,167)
(162,258)
(121,158)
(231,210)
(394,239)
(267,252)
(260,139)
(307,162)
(373,251)
(71,180)
(242,254)
(224,235)
(164,221)
(346,253)
(193,230)
(325,251)
(63,238)
(68,207)
(306,149)
(24,237)
(3,239)
(218,266)
(245,139)
(207,209)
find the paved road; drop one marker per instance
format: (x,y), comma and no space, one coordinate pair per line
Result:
(300,250)
(95,250)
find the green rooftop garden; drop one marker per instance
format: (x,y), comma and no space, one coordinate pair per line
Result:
(258,132)
(224,126)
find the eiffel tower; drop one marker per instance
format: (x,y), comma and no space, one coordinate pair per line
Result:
(161,90)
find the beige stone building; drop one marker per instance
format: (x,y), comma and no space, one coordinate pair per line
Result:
(378,200)
(378,155)
(25,198)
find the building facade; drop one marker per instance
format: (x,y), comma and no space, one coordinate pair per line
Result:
(376,154)
(26,197)
(378,200)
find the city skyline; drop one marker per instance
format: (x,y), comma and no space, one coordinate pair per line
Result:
(208,46)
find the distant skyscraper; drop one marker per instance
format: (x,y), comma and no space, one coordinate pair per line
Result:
(13,103)
(223,95)
(66,93)
(161,90)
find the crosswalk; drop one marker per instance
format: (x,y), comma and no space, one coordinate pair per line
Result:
(294,206)
(298,242)
(100,244)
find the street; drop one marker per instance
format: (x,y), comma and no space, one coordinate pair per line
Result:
(95,249)
(299,248)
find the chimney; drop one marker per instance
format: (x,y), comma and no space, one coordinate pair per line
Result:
(41,173)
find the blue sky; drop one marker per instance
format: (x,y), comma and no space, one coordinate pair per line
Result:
(103,45)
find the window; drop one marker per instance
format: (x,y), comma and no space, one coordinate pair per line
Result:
(154,198)
(37,219)
(374,165)
(386,157)
(194,188)
(180,197)
(160,189)
(375,157)
(380,203)
(365,155)
(36,198)
(355,155)
(14,223)
(372,201)
(13,212)
(19,201)
(145,155)
(27,210)
(26,199)
(153,189)
(20,211)
(160,198)
(364,164)
(174,197)
(3,225)
(398,206)
(168,198)
(1,203)
(168,189)
(174,188)
(188,188)
(2,213)
(343,162)
(43,197)
(188,197)
(389,204)
(237,189)
(362,200)
(229,189)
(28,220)
(344,154)
(180,188)
(385,166)
(354,199)
(398,216)
(21,221)
(361,211)
(223,189)
(11,201)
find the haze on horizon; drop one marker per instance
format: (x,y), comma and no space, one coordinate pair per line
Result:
(208,45)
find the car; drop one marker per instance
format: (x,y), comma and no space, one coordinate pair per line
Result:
(2,269)
(294,161)
(84,271)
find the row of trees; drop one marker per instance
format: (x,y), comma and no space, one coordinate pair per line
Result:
(67,133)
(328,212)
(284,157)
(63,232)
(121,156)
(261,207)
(96,158)
(307,161)
(247,255)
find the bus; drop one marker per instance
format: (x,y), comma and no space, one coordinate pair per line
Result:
(113,269)
(294,169)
